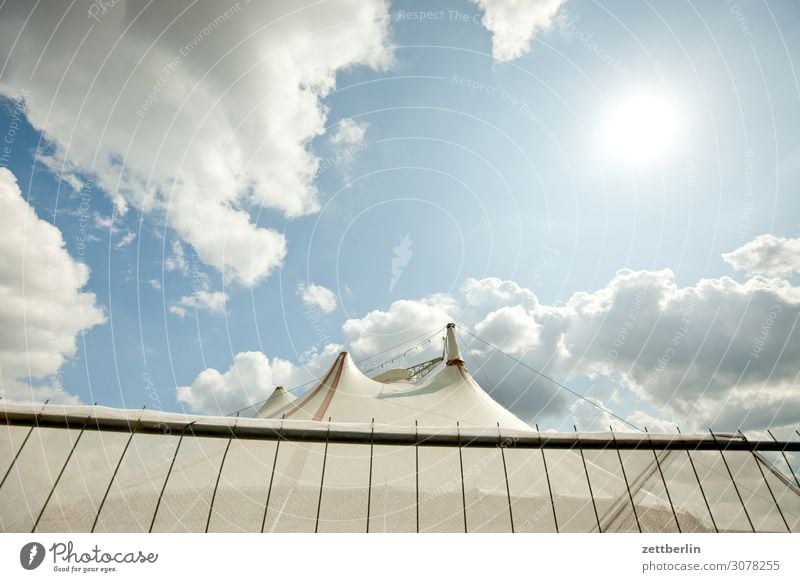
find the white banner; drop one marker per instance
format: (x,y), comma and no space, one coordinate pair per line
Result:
(401,557)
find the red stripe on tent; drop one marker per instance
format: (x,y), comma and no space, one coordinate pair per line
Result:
(316,390)
(329,396)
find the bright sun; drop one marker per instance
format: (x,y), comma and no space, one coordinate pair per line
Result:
(641,128)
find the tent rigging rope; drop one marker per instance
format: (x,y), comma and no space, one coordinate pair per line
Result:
(548,378)
(427,336)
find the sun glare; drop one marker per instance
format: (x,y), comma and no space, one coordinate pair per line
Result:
(641,128)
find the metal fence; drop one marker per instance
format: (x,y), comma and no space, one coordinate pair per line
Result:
(77,472)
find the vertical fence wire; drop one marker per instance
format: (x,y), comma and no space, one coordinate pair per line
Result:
(700,485)
(166,479)
(24,442)
(664,481)
(271,480)
(764,477)
(589,482)
(547,476)
(416,466)
(733,481)
(786,460)
(702,491)
(60,473)
(627,485)
(461,467)
(502,447)
(369,484)
(219,473)
(114,474)
(322,477)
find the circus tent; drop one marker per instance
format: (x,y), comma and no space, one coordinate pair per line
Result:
(418,449)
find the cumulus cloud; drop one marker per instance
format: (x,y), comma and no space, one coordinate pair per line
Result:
(593,414)
(494,291)
(509,382)
(515,23)
(42,306)
(586,416)
(250,379)
(200,300)
(404,321)
(349,131)
(250,376)
(767,255)
(694,350)
(318,296)
(512,328)
(194,110)
(719,353)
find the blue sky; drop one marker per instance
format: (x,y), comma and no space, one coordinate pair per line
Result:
(429,135)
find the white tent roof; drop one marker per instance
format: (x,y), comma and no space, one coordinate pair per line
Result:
(450,396)
(278,400)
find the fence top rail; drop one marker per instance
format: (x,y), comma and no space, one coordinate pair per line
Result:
(157,422)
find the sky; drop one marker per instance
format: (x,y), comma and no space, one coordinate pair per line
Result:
(202,200)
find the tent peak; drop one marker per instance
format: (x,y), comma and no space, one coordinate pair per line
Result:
(453,353)
(279,398)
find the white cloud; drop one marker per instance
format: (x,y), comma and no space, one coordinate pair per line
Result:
(42,306)
(494,291)
(176,261)
(250,379)
(349,131)
(104,223)
(515,23)
(512,328)
(196,120)
(691,351)
(587,417)
(315,295)
(403,321)
(200,300)
(718,353)
(74,182)
(111,227)
(767,255)
(127,239)
(155,284)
